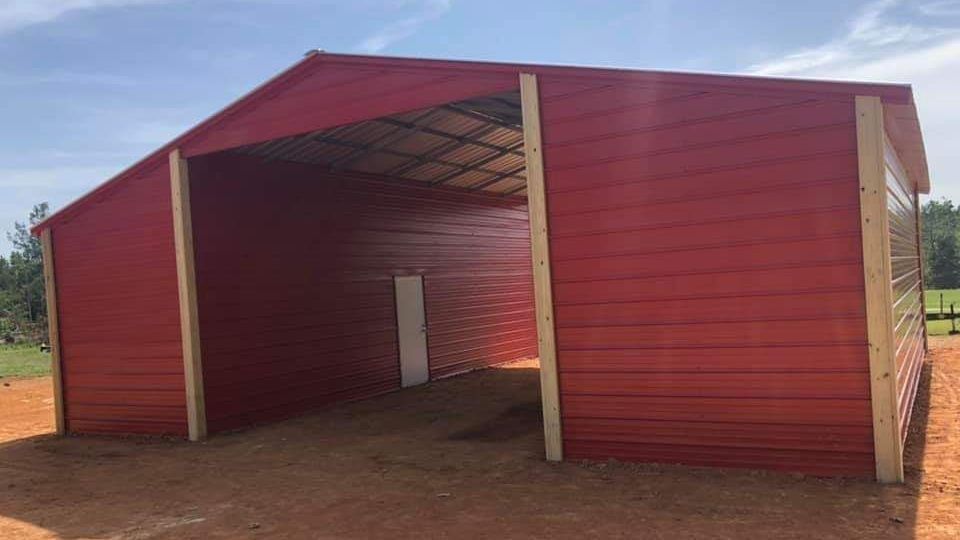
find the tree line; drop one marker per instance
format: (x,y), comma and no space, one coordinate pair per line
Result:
(23,311)
(23,308)
(941,244)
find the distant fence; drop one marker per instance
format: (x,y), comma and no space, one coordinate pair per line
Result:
(943,314)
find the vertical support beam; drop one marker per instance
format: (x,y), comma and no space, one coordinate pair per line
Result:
(542,283)
(923,286)
(187,285)
(53,327)
(874,226)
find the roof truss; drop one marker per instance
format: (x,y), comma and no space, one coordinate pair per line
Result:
(476,144)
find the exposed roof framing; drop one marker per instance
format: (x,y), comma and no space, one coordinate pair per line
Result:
(440,151)
(511,123)
(475,144)
(463,139)
(395,137)
(478,164)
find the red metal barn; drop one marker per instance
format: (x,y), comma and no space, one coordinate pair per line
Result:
(725,270)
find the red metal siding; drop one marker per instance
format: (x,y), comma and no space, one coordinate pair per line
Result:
(908,315)
(294,276)
(708,276)
(119,314)
(367,86)
(331,96)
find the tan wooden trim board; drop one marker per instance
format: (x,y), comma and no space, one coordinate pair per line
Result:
(540,248)
(53,326)
(187,286)
(888,452)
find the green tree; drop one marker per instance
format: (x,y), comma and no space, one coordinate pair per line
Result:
(941,226)
(7,325)
(22,303)
(25,243)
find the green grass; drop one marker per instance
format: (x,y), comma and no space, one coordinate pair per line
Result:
(940,328)
(23,361)
(932,297)
(949,296)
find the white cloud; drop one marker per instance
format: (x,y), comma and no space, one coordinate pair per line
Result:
(55,177)
(126,126)
(64,77)
(949,8)
(873,34)
(15,14)
(880,45)
(426,11)
(155,132)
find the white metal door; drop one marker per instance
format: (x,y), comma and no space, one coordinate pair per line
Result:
(411,330)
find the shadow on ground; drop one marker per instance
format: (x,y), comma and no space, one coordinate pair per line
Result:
(459,458)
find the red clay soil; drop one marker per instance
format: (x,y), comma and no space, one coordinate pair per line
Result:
(459,458)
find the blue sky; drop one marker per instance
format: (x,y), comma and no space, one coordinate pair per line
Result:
(87,87)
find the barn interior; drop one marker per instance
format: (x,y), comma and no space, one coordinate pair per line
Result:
(350,262)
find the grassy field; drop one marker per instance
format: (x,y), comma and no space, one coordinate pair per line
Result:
(949,296)
(23,361)
(941,328)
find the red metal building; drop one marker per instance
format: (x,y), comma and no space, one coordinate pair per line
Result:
(725,270)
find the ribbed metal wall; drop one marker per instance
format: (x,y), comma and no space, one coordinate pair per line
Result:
(908,316)
(294,277)
(708,276)
(119,315)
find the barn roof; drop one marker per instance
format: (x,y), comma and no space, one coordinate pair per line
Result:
(226,130)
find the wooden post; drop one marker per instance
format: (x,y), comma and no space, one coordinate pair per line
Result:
(542,284)
(187,285)
(53,327)
(888,451)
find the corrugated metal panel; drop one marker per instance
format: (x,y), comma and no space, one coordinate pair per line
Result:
(119,315)
(460,145)
(329,97)
(707,275)
(908,316)
(294,271)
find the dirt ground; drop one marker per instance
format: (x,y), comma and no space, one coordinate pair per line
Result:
(459,458)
